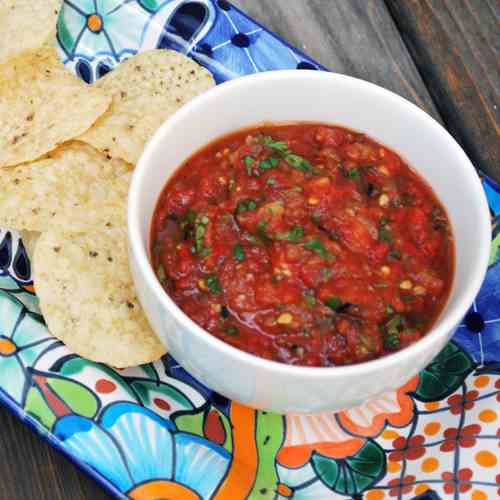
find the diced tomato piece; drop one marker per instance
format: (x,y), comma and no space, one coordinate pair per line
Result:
(328,136)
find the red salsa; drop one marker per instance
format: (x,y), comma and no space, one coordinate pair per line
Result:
(306,244)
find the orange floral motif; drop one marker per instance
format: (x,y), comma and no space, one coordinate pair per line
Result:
(343,434)
(321,433)
(395,408)
(163,489)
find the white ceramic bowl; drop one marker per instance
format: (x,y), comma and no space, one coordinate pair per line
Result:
(319,97)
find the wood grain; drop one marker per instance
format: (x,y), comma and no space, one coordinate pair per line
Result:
(31,470)
(456,47)
(355,37)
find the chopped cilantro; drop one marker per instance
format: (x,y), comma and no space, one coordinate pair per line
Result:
(188,219)
(392,331)
(280,146)
(389,310)
(385,235)
(262,230)
(206,252)
(271,181)
(318,248)
(239,253)
(199,237)
(274,161)
(249,163)
(310,299)
(334,303)
(246,206)
(298,162)
(265,165)
(294,235)
(162,275)
(295,161)
(232,330)
(213,284)
(395,254)
(384,221)
(297,189)
(353,173)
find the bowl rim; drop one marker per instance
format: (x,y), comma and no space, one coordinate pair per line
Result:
(448,322)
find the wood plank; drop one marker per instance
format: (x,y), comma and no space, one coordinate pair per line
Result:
(355,37)
(31,469)
(456,46)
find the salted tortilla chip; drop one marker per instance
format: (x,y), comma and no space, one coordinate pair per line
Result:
(42,105)
(146,90)
(51,40)
(88,299)
(73,176)
(29,239)
(106,213)
(26,24)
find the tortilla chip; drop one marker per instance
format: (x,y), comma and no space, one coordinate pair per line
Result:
(73,176)
(42,105)
(146,90)
(29,239)
(88,299)
(26,24)
(104,214)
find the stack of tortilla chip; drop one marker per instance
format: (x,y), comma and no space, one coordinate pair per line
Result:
(67,151)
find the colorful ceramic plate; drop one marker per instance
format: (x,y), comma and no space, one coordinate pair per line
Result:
(155,432)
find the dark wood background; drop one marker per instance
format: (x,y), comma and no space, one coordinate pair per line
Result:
(441,54)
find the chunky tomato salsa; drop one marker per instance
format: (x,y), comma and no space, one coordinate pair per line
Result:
(306,244)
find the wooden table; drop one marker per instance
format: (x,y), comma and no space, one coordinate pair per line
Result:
(440,54)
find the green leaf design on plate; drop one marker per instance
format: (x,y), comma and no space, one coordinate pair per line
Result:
(76,366)
(270,432)
(37,407)
(354,474)
(64,35)
(80,399)
(52,395)
(145,388)
(207,422)
(150,371)
(445,374)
